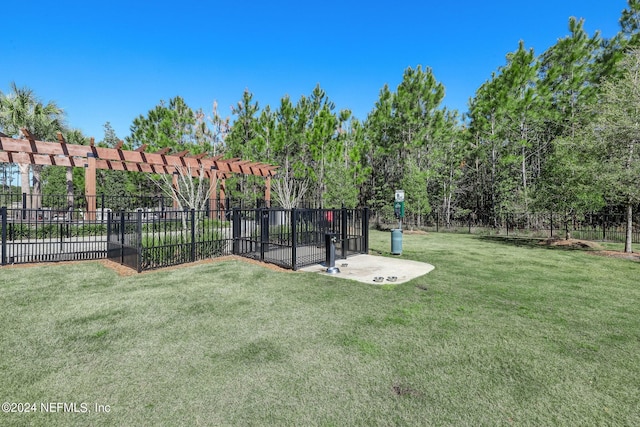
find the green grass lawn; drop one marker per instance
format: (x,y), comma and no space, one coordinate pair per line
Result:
(502,332)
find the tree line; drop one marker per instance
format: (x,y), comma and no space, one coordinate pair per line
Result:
(556,131)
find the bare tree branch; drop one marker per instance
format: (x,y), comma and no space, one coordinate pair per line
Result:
(289,192)
(189,193)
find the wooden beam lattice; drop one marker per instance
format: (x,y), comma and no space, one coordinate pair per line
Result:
(32,151)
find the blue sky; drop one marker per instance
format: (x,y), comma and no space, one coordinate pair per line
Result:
(114,60)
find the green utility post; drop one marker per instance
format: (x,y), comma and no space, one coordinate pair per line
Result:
(396,234)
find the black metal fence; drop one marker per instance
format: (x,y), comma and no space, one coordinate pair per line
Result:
(296,238)
(609,227)
(146,241)
(151,238)
(30,236)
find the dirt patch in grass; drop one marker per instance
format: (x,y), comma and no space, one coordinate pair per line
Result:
(126,271)
(420,232)
(618,254)
(592,248)
(572,244)
(403,390)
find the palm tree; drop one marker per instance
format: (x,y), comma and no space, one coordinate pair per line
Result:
(20,108)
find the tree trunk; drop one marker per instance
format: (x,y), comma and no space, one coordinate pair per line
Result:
(629,234)
(524,180)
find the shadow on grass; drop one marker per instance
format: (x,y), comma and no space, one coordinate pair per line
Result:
(535,243)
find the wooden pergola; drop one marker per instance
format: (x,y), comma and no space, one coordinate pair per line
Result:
(92,158)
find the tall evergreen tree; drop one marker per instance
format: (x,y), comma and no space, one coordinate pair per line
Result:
(170,125)
(616,133)
(402,129)
(504,131)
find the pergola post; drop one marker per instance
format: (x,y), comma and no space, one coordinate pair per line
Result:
(267,192)
(174,183)
(223,200)
(213,193)
(90,186)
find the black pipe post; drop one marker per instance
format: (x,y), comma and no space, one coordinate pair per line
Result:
(3,213)
(264,231)
(121,236)
(294,239)
(236,227)
(108,230)
(344,232)
(139,242)
(193,235)
(365,230)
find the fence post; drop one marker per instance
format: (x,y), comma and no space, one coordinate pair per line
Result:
(24,205)
(139,241)
(193,235)
(121,236)
(263,214)
(108,233)
(437,220)
(344,233)
(604,227)
(294,239)
(365,230)
(236,230)
(3,213)
(551,221)
(61,232)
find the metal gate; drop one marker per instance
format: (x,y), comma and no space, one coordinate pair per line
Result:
(124,231)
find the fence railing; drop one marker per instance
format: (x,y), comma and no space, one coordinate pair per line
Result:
(610,227)
(54,204)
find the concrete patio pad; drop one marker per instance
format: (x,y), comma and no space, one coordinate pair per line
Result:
(366,268)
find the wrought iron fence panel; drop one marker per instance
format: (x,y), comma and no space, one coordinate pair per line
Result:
(31,236)
(147,238)
(598,226)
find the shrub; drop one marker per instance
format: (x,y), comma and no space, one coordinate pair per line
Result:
(175,248)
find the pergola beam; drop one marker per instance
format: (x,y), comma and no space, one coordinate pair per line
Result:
(32,151)
(34,147)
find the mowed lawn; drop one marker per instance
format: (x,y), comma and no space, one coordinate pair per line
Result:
(502,332)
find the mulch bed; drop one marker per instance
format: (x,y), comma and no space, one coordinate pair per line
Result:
(123,271)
